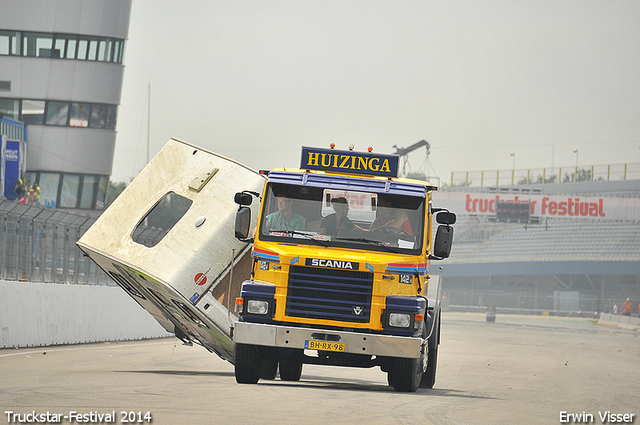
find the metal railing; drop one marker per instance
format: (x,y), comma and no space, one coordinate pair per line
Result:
(13,129)
(520,302)
(39,245)
(589,173)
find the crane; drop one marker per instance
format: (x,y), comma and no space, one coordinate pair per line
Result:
(404,152)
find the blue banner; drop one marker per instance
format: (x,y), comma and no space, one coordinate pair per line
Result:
(349,162)
(12,169)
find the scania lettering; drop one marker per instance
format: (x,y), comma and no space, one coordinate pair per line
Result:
(327,264)
(336,264)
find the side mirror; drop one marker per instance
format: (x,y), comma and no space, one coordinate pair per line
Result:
(442,244)
(446,217)
(243,222)
(243,198)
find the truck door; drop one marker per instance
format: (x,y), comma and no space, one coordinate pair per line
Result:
(168,240)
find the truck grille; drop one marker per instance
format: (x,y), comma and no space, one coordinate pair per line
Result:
(329,294)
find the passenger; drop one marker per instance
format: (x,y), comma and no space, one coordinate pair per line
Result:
(626,308)
(391,218)
(338,220)
(285,218)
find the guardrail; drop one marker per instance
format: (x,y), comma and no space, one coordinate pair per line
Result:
(589,173)
(631,323)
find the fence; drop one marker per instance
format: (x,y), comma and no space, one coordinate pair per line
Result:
(39,245)
(614,172)
(524,301)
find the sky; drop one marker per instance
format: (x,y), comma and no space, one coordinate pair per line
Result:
(491,84)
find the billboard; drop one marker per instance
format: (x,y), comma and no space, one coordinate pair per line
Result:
(541,206)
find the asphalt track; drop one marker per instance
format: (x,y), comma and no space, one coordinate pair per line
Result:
(518,370)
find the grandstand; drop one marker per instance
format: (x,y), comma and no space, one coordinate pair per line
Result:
(567,247)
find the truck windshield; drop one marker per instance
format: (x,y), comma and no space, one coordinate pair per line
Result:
(343,218)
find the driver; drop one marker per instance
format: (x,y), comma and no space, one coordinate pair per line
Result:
(338,220)
(285,218)
(390,217)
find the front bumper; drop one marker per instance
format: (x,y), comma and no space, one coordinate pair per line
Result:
(356,343)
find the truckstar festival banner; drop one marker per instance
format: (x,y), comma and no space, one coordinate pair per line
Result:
(543,206)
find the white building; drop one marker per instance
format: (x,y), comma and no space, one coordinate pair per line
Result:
(61,71)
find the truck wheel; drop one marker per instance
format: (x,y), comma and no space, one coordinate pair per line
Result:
(269,368)
(247,364)
(291,366)
(406,374)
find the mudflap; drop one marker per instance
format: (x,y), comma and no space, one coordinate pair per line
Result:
(185,273)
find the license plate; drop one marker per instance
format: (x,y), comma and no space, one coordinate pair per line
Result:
(325,346)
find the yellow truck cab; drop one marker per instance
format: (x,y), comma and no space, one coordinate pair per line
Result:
(340,270)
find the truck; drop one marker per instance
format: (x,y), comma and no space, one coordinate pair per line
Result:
(325,264)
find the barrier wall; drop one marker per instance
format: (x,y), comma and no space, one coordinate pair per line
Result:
(42,314)
(618,321)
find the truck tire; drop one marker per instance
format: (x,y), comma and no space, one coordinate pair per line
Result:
(247,364)
(291,366)
(269,368)
(406,374)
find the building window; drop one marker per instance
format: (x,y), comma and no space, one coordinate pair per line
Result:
(82,49)
(79,115)
(38,45)
(61,190)
(69,193)
(93,115)
(48,183)
(98,116)
(102,51)
(117,51)
(61,46)
(32,111)
(57,113)
(10,108)
(102,193)
(72,43)
(9,42)
(89,186)
(93,50)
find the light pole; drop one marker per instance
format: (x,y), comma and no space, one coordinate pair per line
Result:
(576,152)
(513,168)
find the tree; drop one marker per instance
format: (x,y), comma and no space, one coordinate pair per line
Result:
(417,176)
(115,189)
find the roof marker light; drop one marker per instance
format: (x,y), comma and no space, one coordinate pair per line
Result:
(370,149)
(332,145)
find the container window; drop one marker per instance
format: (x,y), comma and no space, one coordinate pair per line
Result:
(161,219)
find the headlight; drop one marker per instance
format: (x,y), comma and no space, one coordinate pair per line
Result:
(399,320)
(257,307)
